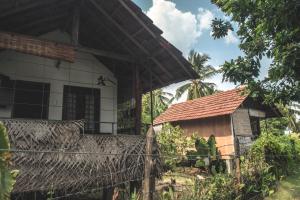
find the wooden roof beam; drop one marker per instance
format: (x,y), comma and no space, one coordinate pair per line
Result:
(99,8)
(137,32)
(111,33)
(36,4)
(153,35)
(40,21)
(75,24)
(104,53)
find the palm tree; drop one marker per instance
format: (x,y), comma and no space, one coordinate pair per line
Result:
(198,87)
(161,101)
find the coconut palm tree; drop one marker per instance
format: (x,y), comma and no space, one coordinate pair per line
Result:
(198,87)
(161,101)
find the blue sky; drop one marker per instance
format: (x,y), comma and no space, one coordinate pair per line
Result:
(186,24)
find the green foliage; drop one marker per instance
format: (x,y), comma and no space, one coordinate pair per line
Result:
(173,145)
(268,29)
(220,28)
(168,195)
(221,186)
(258,179)
(277,150)
(207,150)
(7,177)
(134,195)
(198,87)
(161,101)
(202,147)
(280,125)
(270,157)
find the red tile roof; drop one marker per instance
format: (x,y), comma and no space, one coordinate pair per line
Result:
(222,103)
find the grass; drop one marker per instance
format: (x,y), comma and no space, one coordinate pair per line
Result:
(289,188)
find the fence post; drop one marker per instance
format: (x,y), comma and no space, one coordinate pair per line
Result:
(237,160)
(148,186)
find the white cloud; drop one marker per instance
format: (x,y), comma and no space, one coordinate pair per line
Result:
(230,38)
(205,17)
(180,28)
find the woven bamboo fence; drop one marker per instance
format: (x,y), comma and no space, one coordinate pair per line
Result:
(54,155)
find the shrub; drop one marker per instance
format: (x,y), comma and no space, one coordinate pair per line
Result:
(221,186)
(173,145)
(257,177)
(7,177)
(207,150)
(277,151)
(270,157)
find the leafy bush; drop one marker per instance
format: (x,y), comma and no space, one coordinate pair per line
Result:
(270,157)
(221,186)
(207,150)
(173,145)
(295,139)
(258,180)
(7,177)
(277,151)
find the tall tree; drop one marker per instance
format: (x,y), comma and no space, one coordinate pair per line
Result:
(266,28)
(198,87)
(288,121)
(161,101)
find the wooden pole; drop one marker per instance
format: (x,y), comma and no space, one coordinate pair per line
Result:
(151,98)
(237,160)
(148,187)
(138,100)
(75,24)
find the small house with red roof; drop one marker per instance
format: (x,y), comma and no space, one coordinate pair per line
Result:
(227,115)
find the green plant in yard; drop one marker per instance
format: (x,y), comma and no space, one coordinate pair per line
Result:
(258,179)
(173,145)
(134,195)
(7,176)
(207,150)
(221,186)
(277,151)
(270,157)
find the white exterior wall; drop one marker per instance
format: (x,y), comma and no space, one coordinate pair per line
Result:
(84,72)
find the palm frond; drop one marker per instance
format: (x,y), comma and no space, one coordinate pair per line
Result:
(181,90)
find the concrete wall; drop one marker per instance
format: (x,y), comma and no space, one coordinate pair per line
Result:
(83,73)
(220,127)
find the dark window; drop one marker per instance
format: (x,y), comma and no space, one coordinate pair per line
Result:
(255,126)
(30,100)
(82,103)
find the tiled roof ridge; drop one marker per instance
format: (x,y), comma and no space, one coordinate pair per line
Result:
(220,103)
(241,88)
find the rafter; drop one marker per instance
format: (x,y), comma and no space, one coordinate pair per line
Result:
(99,8)
(153,35)
(36,4)
(104,53)
(40,21)
(75,24)
(137,32)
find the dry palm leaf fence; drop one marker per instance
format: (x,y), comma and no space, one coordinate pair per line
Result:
(55,156)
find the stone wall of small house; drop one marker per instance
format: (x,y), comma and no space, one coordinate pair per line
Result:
(220,127)
(84,72)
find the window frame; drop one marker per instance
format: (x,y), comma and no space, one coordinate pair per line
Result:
(80,111)
(44,104)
